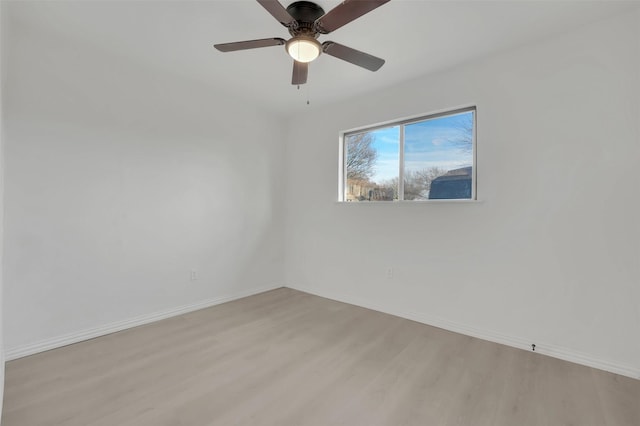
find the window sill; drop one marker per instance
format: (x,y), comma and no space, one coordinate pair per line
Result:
(406,203)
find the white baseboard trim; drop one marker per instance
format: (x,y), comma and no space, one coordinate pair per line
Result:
(489,335)
(79,336)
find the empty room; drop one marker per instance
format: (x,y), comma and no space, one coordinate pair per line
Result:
(384,212)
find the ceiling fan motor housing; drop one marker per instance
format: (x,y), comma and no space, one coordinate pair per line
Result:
(306,13)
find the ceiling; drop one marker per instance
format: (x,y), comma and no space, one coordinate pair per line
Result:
(414,37)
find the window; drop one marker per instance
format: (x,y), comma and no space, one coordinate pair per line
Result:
(426,158)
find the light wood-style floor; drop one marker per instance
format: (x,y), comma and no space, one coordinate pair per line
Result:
(289,358)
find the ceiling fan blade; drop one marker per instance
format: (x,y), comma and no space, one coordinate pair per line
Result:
(354,56)
(345,12)
(300,71)
(275,8)
(249,44)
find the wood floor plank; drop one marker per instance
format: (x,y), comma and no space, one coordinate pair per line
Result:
(289,358)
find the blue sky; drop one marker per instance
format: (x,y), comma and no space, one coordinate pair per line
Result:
(427,144)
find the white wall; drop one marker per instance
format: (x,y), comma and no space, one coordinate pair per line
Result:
(550,255)
(120,179)
(3,28)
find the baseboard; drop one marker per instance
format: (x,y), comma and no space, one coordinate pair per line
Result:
(489,335)
(79,336)
(1,377)
(492,336)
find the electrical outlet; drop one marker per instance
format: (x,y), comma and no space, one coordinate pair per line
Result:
(194,275)
(389,272)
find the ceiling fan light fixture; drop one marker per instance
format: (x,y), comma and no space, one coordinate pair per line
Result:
(303,48)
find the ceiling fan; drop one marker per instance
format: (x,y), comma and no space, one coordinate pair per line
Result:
(306,21)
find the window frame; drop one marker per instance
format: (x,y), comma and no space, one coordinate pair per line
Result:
(342,172)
